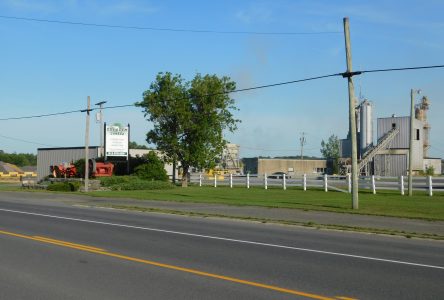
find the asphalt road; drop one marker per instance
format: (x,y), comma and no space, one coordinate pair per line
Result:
(59,251)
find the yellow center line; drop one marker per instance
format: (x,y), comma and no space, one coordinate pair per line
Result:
(42,238)
(167,266)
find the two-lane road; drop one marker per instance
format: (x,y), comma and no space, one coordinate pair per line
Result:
(67,252)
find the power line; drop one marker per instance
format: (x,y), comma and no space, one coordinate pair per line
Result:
(43,115)
(344,74)
(26,141)
(175,99)
(167,28)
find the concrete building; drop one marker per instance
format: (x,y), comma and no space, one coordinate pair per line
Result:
(390,155)
(292,167)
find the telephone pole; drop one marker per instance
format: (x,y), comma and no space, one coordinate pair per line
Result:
(352,116)
(100,119)
(303,141)
(87,144)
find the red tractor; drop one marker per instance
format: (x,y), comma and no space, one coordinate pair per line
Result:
(96,169)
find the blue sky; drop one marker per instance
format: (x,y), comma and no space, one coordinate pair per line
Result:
(49,67)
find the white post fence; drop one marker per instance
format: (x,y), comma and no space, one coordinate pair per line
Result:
(248,180)
(373,184)
(325,183)
(304,182)
(265,181)
(401,184)
(200,179)
(284,182)
(430,185)
(215,179)
(349,183)
(231,180)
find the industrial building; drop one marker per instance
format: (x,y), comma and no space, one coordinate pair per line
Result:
(389,155)
(55,156)
(292,167)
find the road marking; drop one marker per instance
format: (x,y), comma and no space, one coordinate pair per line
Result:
(167,266)
(229,239)
(345,298)
(42,238)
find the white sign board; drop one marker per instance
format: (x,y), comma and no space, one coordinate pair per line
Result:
(116,140)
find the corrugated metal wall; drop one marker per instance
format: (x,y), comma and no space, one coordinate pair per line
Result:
(390,165)
(55,156)
(401,141)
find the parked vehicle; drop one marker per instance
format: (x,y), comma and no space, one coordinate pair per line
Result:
(278,175)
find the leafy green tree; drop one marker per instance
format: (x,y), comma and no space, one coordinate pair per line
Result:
(330,151)
(153,169)
(18,159)
(134,145)
(189,118)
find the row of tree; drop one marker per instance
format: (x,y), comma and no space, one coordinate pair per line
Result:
(19,159)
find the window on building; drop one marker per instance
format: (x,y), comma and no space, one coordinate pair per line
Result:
(393,125)
(417,134)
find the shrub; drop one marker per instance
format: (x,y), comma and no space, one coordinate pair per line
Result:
(72,186)
(133,183)
(153,169)
(142,185)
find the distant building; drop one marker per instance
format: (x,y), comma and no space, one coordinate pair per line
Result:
(292,167)
(390,155)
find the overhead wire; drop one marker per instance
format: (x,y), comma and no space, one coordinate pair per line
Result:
(344,74)
(168,29)
(26,141)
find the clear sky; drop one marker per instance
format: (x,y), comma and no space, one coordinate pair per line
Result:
(47,67)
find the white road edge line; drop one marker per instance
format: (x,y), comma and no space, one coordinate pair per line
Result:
(226,239)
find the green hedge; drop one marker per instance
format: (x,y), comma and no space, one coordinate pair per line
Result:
(72,186)
(129,183)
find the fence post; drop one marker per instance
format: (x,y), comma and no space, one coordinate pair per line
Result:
(401,184)
(349,183)
(265,181)
(284,182)
(304,182)
(248,180)
(430,184)
(325,183)
(200,179)
(373,184)
(215,179)
(231,180)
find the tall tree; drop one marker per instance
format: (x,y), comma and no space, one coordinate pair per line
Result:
(189,118)
(330,151)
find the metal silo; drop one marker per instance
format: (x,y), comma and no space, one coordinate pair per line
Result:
(366,124)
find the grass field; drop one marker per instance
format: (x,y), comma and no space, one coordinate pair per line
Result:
(387,203)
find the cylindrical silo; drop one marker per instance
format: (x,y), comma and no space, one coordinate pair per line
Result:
(366,124)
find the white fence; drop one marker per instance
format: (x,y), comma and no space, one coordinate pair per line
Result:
(325,182)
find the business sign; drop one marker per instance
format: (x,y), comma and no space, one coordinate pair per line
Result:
(116,140)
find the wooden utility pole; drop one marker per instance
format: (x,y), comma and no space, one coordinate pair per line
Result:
(87,145)
(302,140)
(352,116)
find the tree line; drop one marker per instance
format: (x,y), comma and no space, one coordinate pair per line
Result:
(19,159)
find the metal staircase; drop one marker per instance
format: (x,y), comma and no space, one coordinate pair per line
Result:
(372,151)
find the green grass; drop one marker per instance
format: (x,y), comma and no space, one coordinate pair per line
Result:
(387,203)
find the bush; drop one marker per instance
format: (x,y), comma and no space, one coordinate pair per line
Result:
(153,169)
(72,186)
(127,183)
